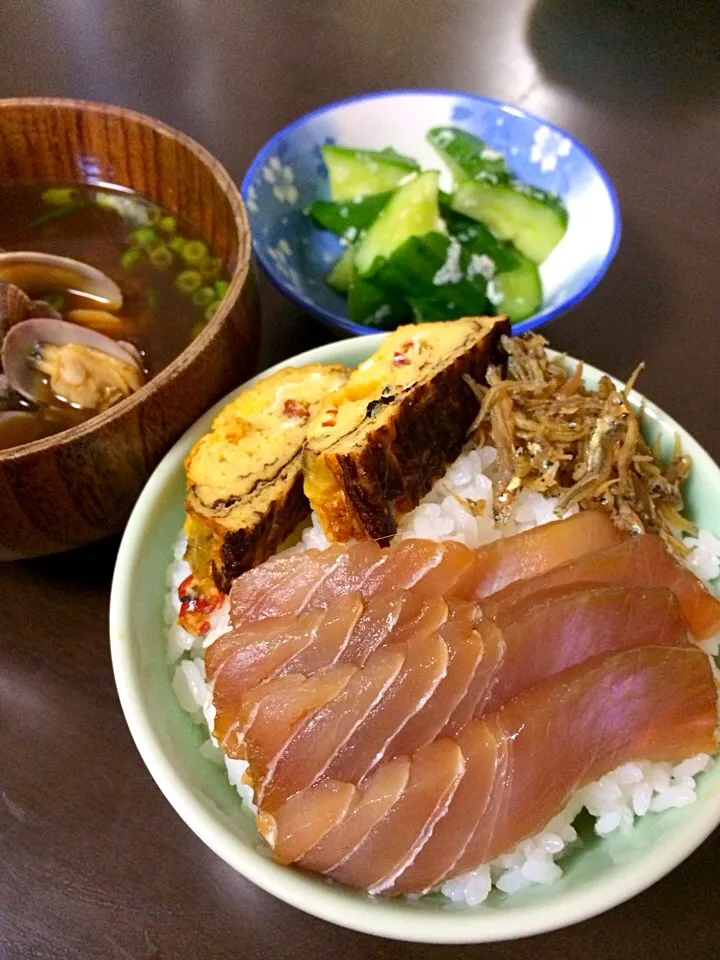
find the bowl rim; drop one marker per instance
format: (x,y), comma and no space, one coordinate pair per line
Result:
(237,282)
(335,320)
(332,903)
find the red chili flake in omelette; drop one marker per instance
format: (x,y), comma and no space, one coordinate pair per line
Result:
(296,408)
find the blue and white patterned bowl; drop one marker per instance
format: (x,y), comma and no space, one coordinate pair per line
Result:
(289,173)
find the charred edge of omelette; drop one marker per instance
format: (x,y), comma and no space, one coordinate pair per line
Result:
(423,429)
(244,482)
(243,549)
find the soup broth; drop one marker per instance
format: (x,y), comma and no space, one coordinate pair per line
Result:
(170,281)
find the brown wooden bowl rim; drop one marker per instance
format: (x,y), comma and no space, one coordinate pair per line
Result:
(203,340)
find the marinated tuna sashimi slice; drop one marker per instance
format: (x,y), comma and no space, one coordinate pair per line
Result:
(251,663)
(641,561)
(395,841)
(485,758)
(280,713)
(649,703)
(547,634)
(231,724)
(332,636)
(419,618)
(310,751)
(534,551)
(374,798)
(352,569)
(405,565)
(377,621)
(299,826)
(457,559)
(280,585)
(465,652)
(425,665)
(483,680)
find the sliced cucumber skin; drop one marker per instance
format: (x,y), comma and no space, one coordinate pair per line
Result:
(343,272)
(348,217)
(476,238)
(409,276)
(466,155)
(412,211)
(374,306)
(516,278)
(532,220)
(520,290)
(359,173)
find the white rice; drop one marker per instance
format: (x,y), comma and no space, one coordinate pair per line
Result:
(615,801)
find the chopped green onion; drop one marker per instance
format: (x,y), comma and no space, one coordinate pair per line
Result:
(143,236)
(55,214)
(177,243)
(221,288)
(212,309)
(210,268)
(56,300)
(131,256)
(154,213)
(61,196)
(151,295)
(194,252)
(167,223)
(203,296)
(197,329)
(161,256)
(188,281)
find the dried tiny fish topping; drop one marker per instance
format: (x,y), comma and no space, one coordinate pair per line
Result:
(555,436)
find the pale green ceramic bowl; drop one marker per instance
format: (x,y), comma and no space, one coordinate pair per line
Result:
(596,878)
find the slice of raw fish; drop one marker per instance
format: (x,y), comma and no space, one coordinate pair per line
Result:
(650,703)
(642,561)
(377,621)
(465,652)
(310,751)
(547,634)
(483,680)
(280,585)
(374,798)
(228,642)
(419,618)
(251,663)
(405,565)
(485,759)
(348,574)
(279,715)
(395,841)
(332,637)
(425,665)
(299,826)
(230,726)
(440,580)
(534,551)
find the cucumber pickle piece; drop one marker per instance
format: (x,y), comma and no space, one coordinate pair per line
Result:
(466,155)
(518,292)
(533,220)
(358,173)
(348,218)
(429,274)
(411,211)
(342,272)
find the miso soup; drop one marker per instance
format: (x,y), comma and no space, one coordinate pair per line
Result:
(79,335)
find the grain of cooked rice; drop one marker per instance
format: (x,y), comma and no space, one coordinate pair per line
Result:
(459,507)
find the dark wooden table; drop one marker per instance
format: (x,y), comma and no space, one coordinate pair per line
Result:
(94,863)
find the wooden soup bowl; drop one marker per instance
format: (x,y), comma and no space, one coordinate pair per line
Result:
(80,485)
